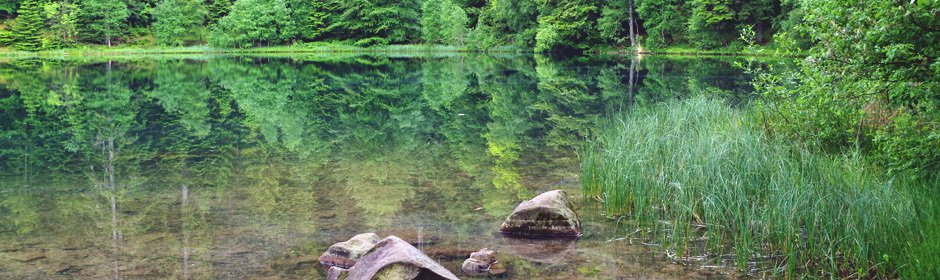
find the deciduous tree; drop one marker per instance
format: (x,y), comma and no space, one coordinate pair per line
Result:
(443,22)
(178,21)
(254,23)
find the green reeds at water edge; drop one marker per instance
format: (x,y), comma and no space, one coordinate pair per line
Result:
(705,180)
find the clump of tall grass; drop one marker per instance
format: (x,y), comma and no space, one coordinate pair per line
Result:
(700,172)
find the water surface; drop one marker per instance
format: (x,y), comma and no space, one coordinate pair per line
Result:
(224,167)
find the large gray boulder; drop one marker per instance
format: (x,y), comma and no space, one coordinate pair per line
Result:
(546,215)
(345,254)
(394,259)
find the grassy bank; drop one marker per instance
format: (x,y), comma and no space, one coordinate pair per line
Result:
(734,50)
(97,50)
(329,47)
(710,183)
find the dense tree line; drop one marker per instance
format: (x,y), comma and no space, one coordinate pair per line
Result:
(542,25)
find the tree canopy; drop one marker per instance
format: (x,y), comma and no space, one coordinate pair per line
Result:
(541,25)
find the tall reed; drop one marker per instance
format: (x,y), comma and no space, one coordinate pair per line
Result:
(708,181)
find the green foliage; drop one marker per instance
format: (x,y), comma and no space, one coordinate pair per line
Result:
(665,21)
(611,23)
(566,26)
(217,10)
(103,20)
(443,22)
(504,23)
(62,19)
(393,21)
(715,23)
(27,33)
(789,35)
(548,26)
(871,82)
(6,38)
(178,21)
(254,23)
(8,6)
(141,13)
(311,18)
(711,24)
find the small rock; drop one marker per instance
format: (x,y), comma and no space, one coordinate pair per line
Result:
(482,263)
(548,214)
(393,258)
(29,257)
(67,269)
(345,254)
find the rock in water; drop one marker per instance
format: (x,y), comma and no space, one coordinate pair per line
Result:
(482,263)
(548,214)
(544,250)
(346,253)
(395,259)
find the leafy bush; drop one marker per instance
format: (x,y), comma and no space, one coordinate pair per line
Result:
(871,82)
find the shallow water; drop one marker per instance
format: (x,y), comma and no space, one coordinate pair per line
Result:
(250,167)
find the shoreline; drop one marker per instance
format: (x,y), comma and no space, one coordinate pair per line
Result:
(97,51)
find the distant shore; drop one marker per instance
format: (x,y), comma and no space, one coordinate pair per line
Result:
(97,50)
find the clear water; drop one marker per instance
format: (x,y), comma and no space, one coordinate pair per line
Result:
(224,167)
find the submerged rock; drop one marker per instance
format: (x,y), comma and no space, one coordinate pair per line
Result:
(541,250)
(415,237)
(345,254)
(482,263)
(548,214)
(449,252)
(393,258)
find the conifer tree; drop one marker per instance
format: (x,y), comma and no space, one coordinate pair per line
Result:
(27,33)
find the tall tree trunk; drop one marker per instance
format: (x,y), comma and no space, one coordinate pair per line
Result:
(760,33)
(632,24)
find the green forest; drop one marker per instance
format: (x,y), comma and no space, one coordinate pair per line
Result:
(529,25)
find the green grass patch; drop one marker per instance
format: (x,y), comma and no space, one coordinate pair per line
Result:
(315,47)
(737,50)
(710,183)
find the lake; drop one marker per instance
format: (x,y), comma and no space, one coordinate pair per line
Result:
(249,167)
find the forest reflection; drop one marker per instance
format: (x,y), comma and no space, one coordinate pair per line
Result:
(210,167)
